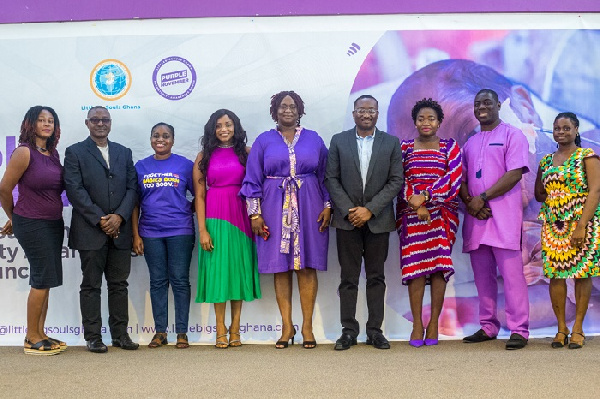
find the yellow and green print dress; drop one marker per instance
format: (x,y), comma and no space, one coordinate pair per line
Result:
(567,189)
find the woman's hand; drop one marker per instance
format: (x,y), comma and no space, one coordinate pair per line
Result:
(258,226)
(325,219)
(7,229)
(423,214)
(138,245)
(578,236)
(206,241)
(415,201)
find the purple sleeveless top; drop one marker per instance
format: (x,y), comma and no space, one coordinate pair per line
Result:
(40,187)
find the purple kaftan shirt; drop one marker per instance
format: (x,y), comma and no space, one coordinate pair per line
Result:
(487,156)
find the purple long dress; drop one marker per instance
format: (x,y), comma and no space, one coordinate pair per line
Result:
(285,183)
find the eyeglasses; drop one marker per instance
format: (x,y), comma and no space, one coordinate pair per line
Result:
(95,121)
(284,107)
(368,111)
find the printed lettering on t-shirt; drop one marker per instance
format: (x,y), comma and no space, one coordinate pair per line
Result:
(153,180)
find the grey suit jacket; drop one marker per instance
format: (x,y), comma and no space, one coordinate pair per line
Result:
(384,180)
(96,190)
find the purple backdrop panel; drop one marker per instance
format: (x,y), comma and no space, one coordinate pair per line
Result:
(66,10)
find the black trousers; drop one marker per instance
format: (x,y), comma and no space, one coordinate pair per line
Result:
(115,265)
(352,246)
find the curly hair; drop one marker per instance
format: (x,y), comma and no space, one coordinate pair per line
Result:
(427,103)
(276,100)
(574,121)
(209,141)
(28,127)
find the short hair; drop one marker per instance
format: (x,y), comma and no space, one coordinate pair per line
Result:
(276,100)
(171,128)
(427,103)
(209,141)
(96,107)
(28,127)
(574,121)
(366,97)
(490,92)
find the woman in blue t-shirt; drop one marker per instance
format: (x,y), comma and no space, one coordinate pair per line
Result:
(163,231)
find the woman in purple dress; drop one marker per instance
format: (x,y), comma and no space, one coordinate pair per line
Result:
(289,207)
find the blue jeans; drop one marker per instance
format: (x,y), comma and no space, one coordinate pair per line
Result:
(168,260)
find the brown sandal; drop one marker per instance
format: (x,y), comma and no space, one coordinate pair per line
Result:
(182,341)
(158,340)
(234,342)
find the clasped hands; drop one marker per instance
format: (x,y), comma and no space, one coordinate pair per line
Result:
(476,208)
(416,203)
(359,215)
(110,224)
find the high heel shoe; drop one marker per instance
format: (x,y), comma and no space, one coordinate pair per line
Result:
(222,344)
(576,345)
(560,344)
(284,344)
(417,343)
(431,341)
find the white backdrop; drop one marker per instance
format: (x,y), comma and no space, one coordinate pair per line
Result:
(239,63)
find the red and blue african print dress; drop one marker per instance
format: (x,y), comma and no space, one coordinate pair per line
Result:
(426,248)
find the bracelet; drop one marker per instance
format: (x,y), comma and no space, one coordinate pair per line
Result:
(255,216)
(483,196)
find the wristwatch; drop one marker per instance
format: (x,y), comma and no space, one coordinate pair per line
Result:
(426,195)
(483,196)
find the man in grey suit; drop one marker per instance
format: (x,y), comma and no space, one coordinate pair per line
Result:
(101,184)
(364,174)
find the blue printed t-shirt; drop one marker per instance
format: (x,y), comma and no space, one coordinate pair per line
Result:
(162,185)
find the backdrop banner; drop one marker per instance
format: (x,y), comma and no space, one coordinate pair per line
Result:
(180,71)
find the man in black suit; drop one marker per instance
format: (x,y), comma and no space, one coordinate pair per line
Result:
(364,174)
(101,185)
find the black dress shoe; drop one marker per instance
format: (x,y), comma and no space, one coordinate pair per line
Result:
(345,341)
(378,341)
(96,346)
(479,336)
(516,341)
(125,342)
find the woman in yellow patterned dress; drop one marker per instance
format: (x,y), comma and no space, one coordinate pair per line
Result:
(568,184)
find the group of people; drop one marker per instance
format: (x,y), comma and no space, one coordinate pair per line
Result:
(267,209)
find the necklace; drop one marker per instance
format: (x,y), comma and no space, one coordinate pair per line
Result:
(225,145)
(41,149)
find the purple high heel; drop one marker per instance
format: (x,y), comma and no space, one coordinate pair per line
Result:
(417,343)
(431,341)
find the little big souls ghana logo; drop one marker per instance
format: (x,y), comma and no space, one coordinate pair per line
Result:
(174,78)
(110,79)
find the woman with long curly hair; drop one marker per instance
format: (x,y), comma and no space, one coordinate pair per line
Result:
(287,200)
(227,269)
(36,219)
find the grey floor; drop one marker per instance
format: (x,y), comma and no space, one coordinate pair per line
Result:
(450,370)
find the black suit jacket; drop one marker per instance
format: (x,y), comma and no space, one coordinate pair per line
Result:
(96,190)
(384,180)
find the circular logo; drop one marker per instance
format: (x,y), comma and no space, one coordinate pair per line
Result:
(174,78)
(110,79)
